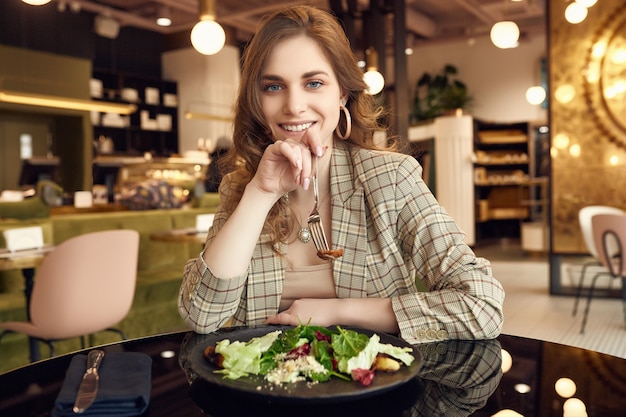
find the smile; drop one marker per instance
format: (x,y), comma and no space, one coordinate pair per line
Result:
(297,128)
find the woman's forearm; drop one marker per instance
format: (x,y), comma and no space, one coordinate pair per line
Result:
(368,313)
(230,251)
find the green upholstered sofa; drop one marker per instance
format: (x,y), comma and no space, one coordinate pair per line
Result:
(159,273)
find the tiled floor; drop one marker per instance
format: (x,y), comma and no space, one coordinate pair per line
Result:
(531,311)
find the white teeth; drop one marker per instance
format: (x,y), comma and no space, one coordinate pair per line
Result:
(297,128)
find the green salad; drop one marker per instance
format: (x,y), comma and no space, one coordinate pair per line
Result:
(310,353)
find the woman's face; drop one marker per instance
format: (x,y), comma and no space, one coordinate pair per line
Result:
(299,91)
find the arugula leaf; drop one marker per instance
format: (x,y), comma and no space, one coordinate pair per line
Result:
(322,351)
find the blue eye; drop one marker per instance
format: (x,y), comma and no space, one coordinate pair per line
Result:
(315,84)
(272,88)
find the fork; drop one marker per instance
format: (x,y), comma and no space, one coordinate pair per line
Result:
(314,221)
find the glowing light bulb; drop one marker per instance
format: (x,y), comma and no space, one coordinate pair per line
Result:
(575,13)
(535,95)
(504,34)
(565,387)
(375,81)
(36,2)
(208,37)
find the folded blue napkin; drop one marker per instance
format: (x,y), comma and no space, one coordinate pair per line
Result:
(124,387)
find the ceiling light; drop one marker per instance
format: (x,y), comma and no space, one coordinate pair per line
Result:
(410,41)
(67,103)
(505,34)
(575,13)
(565,387)
(164,17)
(535,95)
(36,2)
(207,36)
(374,79)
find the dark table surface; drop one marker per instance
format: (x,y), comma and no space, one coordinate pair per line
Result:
(457,378)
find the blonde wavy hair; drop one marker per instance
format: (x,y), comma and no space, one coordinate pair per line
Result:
(251,133)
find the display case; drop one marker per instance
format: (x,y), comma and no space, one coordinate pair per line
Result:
(502,178)
(152,128)
(120,173)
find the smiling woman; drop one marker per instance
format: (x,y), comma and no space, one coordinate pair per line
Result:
(304,117)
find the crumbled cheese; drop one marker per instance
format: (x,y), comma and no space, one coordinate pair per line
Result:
(294,370)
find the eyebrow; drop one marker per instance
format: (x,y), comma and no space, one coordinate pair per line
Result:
(304,76)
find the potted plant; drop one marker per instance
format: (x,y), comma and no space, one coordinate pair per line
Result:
(439,95)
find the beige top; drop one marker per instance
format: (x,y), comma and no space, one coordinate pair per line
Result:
(315,281)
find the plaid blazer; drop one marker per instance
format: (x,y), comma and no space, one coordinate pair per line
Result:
(393,232)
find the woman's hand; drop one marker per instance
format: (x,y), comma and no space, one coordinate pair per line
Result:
(314,311)
(287,164)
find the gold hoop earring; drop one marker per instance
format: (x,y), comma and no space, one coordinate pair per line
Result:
(346,113)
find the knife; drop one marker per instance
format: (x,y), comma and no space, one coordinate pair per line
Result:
(89,385)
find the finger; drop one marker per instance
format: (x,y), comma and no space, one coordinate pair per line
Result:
(290,151)
(313,140)
(302,154)
(282,318)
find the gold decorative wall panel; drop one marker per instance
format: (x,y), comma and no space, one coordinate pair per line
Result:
(588,116)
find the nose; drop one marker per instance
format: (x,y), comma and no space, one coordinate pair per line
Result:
(295,103)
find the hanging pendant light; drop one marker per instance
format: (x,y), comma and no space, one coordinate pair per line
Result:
(207,36)
(374,79)
(164,16)
(36,2)
(505,34)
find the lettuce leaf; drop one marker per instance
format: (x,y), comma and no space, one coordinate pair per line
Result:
(363,360)
(244,358)
(366,357)
(400,353)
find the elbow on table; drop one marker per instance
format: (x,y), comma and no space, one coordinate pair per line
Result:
(192,317)
(490,321)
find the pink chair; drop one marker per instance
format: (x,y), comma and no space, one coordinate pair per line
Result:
(584,219)
(86,285)
(609,233)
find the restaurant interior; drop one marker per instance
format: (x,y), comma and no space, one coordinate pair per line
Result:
(98,102)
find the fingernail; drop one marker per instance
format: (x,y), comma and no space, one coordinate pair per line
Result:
(306,183)
(318,151)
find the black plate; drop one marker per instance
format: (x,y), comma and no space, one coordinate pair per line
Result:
(331,391)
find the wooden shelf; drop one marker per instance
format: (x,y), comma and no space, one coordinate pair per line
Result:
(490,164)
(153,127)
(501,178)
(499,137)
